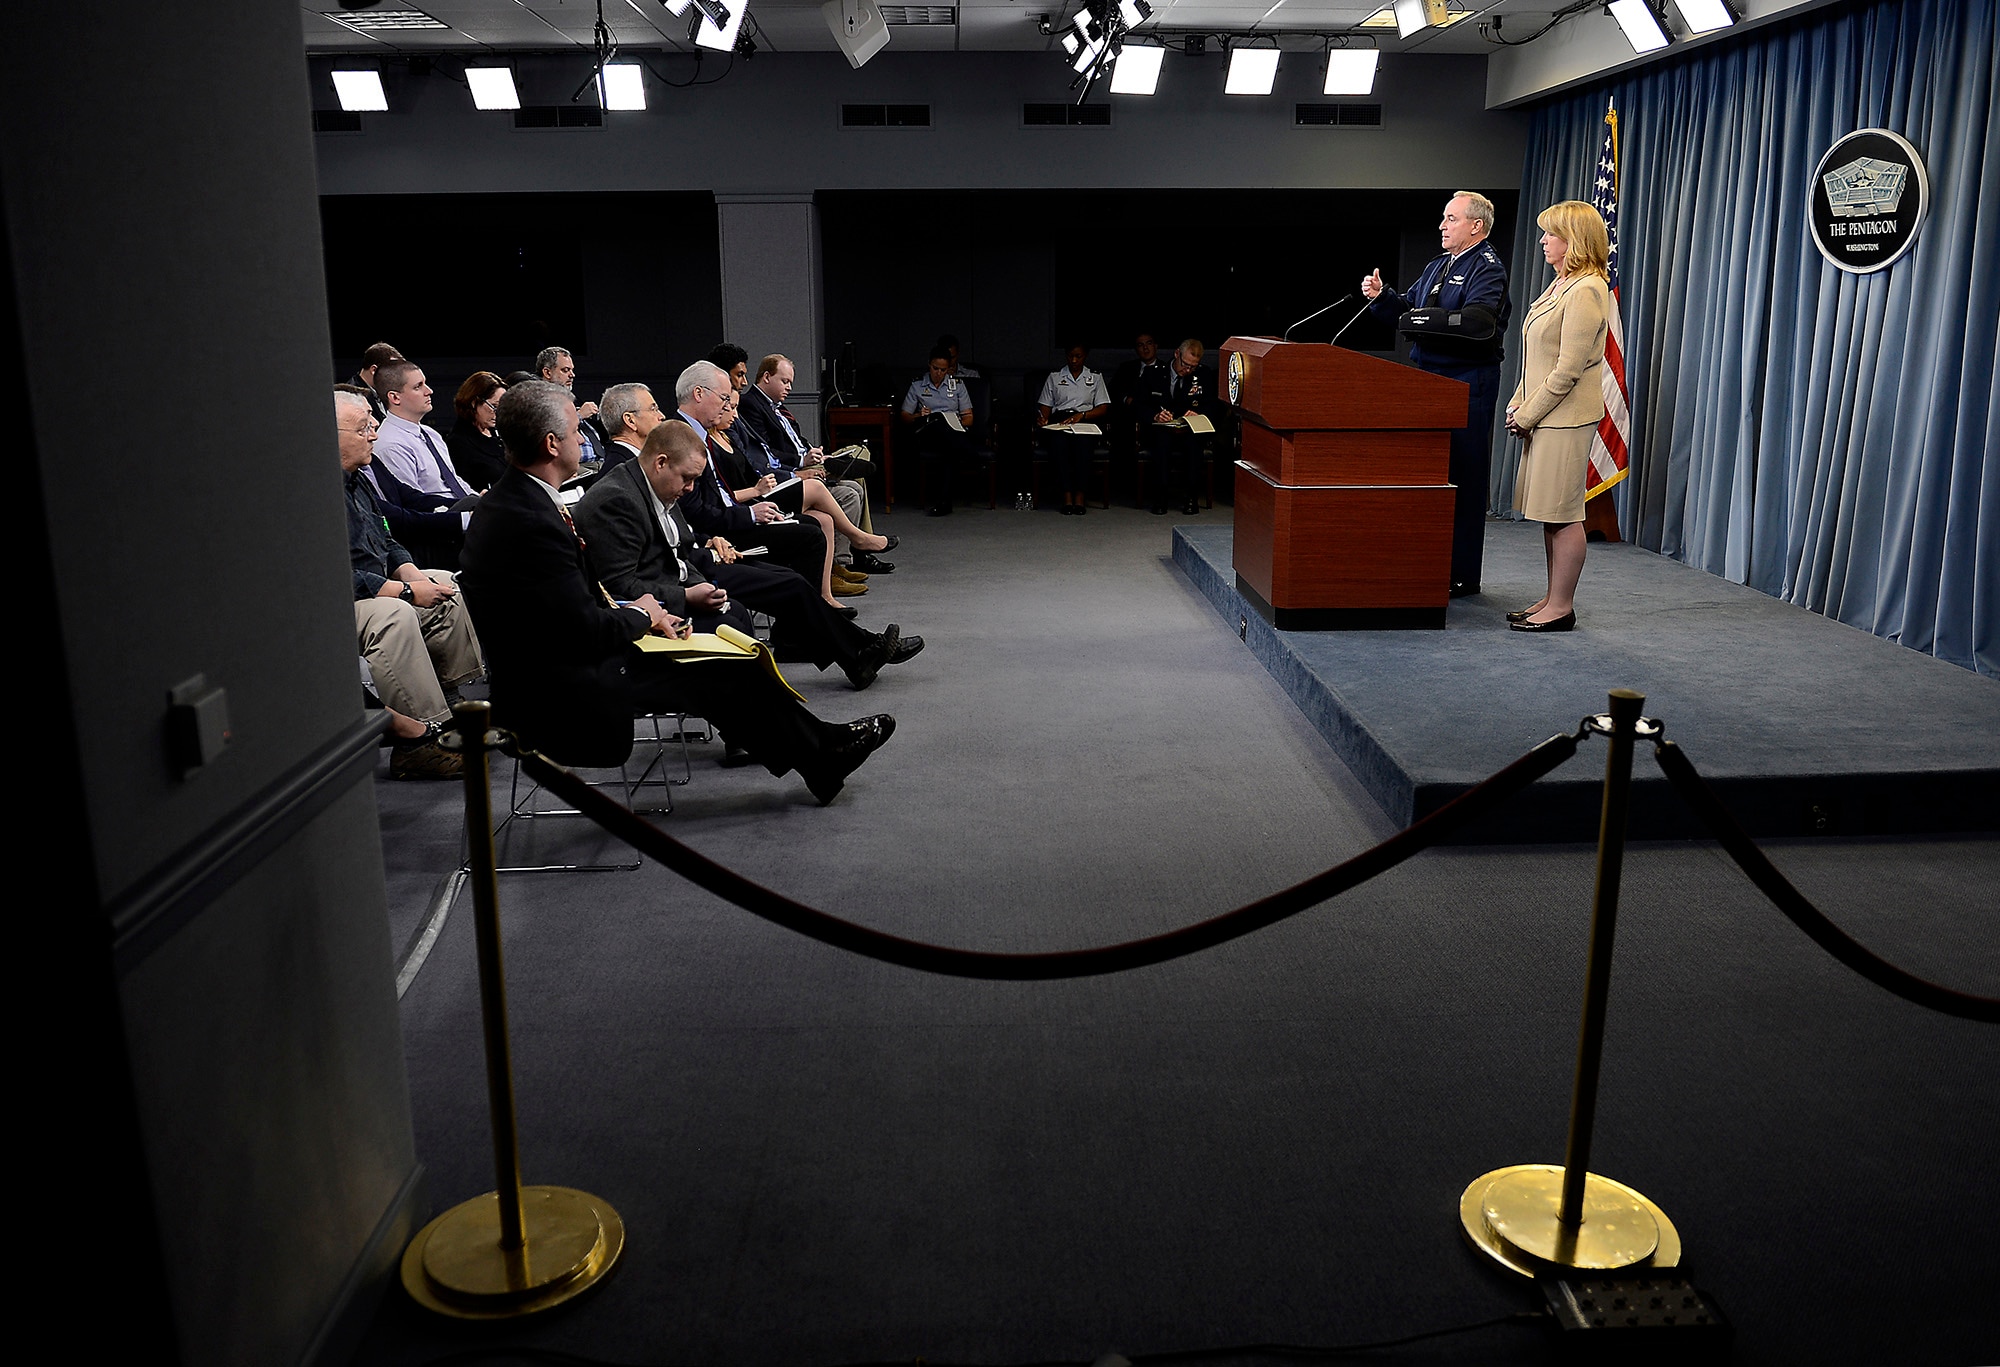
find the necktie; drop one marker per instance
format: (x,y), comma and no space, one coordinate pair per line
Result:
(582,554)
(450,481)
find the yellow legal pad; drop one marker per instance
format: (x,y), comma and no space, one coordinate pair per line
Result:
(726,644)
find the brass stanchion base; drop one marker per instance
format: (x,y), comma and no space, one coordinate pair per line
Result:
(1510,1215)
(456,1266)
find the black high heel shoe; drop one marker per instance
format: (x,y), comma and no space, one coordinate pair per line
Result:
(1566,622)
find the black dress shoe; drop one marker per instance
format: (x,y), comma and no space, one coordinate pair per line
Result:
(849,613)
(853,744)
(1566,622)
(867,563)
(734,756)
(1459,589)
(943,510)
(868,661)
(1193,509)
(901,647)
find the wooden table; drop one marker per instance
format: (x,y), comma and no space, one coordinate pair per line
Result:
(872,420)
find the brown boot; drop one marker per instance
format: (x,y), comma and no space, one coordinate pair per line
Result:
(425,759)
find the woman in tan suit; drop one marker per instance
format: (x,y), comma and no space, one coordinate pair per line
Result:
(1559,401)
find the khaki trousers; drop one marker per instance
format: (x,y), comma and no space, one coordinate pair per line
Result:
(852,498)
(416,653)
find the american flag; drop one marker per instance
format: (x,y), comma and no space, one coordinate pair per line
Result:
(1611,448)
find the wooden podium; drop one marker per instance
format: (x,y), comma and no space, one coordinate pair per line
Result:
(1343,509)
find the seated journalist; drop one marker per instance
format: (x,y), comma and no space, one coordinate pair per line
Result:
(640,543)
(566,673)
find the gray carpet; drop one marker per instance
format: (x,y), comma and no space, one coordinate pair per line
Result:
(821,1159)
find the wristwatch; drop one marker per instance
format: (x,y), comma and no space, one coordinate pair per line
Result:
(409,593)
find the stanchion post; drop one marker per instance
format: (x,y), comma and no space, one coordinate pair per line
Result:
(1625,709)
(471,720)
(1535,1217)
(517,1249)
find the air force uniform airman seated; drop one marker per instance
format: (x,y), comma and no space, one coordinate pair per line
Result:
(1456,315)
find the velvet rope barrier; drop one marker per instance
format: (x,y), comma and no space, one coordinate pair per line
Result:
(1694,791)
(780,910)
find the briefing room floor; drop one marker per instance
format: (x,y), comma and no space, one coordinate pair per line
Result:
(824,1160)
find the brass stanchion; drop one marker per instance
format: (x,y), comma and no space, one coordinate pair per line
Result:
(519,1249)
(1536,1217)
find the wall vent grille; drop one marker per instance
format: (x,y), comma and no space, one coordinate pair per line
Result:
(1066,115)
(559,116)
(1338,115)
(885,116)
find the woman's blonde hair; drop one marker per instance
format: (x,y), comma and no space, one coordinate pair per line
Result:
(1582,227)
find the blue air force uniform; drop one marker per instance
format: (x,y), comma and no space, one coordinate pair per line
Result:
(1475,279)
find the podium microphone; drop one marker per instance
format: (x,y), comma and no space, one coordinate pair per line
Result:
(1316,313)
(1348,324)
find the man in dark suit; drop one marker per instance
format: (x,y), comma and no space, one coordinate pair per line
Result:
(566,674)
(640,543)
(761,408)
(1133,377)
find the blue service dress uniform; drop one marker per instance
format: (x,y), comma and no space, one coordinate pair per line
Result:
(1475,279)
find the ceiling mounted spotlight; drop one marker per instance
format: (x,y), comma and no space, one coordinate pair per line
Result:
(621,85)
(859,30)
(677,7)
(1350,71)
(492,87)
(1641,24)
(360,92)
(1706,16)
(1136,12)
(1414,16)
(1137,71)
(1089,54)
(1070,43)
(1252,71)
(718,27)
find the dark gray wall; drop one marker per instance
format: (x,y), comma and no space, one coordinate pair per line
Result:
(773,124)
(162,226)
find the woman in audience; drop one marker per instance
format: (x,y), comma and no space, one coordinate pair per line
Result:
(745,487)
(474,440)
(746,455)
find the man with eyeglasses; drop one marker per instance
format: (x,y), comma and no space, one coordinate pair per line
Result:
(410,624)
(558,367)
(1164,398)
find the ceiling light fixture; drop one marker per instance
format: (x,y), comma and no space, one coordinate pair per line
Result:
(677,7)
(1351,71)
(492,87)
(1252,71)
(360,92)
(1706,16)
(1641,24)
(1137,71)
(1136,12)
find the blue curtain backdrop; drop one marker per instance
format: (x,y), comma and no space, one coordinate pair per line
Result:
(1830,439)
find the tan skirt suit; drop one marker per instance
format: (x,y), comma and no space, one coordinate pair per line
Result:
(1560,398)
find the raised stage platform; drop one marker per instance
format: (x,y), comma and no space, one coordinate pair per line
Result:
(1805,725)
